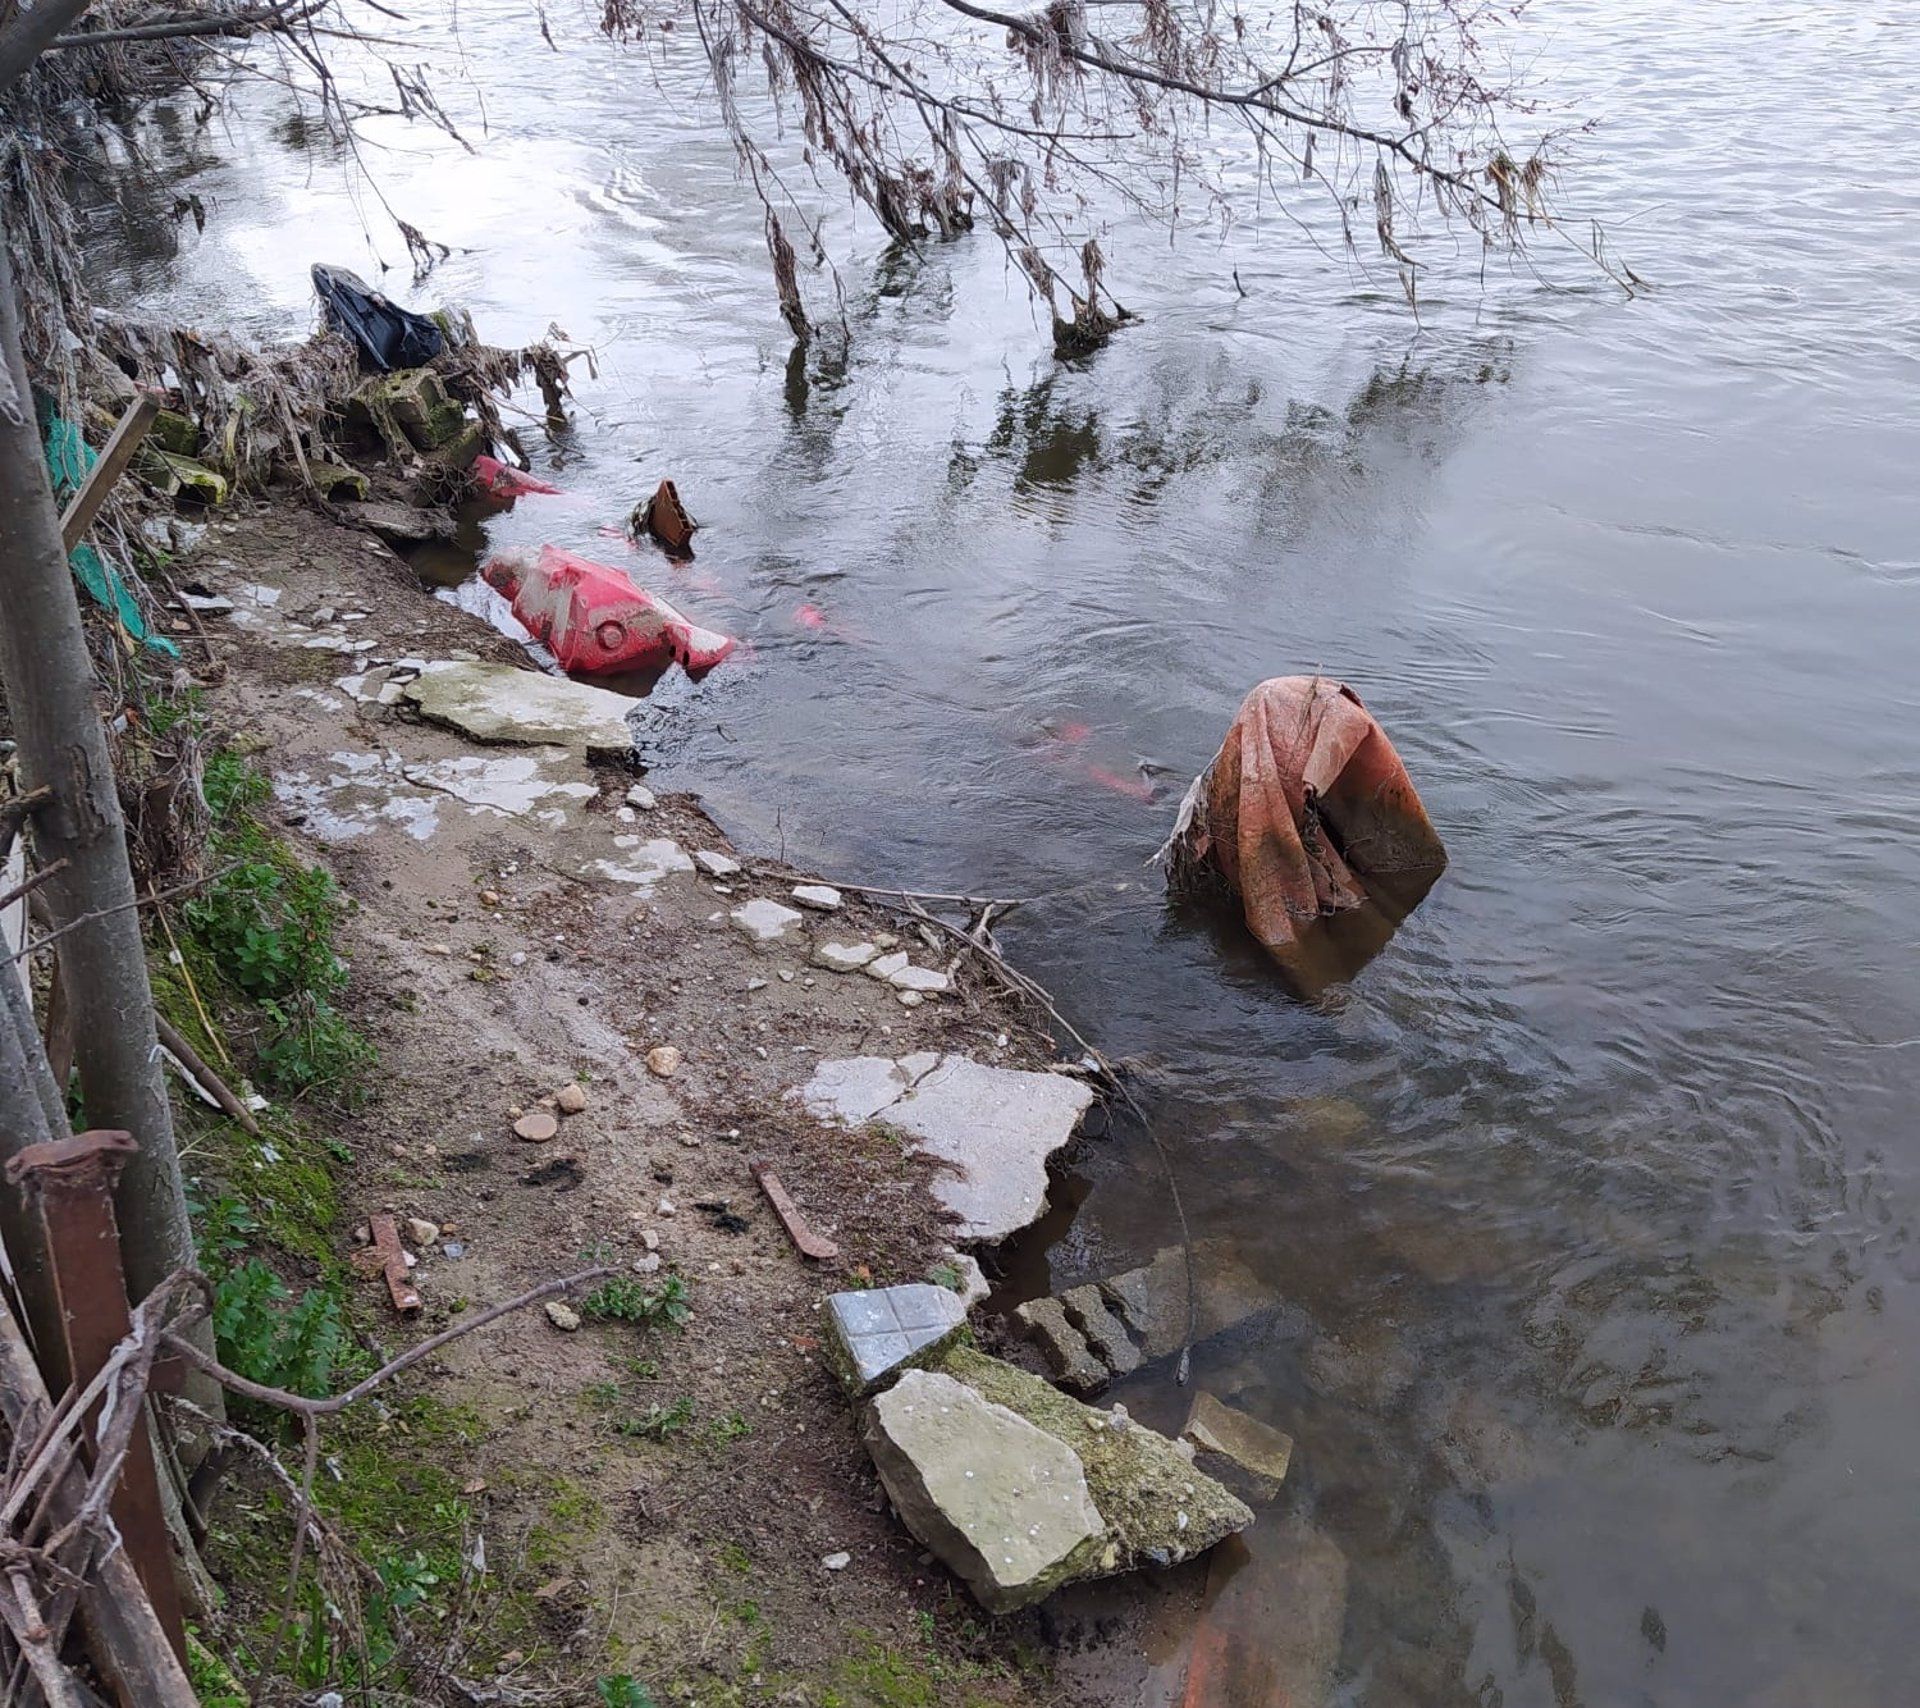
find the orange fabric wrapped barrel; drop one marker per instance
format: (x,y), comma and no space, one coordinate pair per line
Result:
(1305,801)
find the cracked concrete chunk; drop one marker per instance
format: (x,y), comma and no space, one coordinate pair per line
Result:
(764,921)
(716,864)
(1104,1332)
(843,957)
(497,703)
(877,1333)
(1158,1509)
(1152,1300)
(1065,1348)
(1259,1449)
(885,966)
(822,898)
(1002,1502)
(995,1126)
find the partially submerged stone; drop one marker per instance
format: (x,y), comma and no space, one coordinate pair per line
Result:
(1105,1334)
(1259,1449)
(1152,1300)
(1158,1508)
(1064,1347)
(1004,1503)
(875,1334)
(763,921)
(498,703)
(996,1127)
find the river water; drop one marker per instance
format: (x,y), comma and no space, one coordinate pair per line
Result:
(1584,1216)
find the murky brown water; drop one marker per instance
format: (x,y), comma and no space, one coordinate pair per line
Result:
(1586,1212)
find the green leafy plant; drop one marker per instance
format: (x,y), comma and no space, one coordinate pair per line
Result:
(268,1336)
(658,1422)
(623,1299)
(268,924)
(623,1690)
(732,1427)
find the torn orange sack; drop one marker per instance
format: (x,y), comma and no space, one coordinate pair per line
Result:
(1305,799)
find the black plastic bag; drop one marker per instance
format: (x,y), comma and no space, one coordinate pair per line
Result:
(388,336)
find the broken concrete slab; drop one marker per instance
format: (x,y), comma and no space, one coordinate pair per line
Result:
(822,898)
(883,967)
(1072,1361)
(875,1334)
(843,957)
(995,1126)
(645,865)
(1259,1449)
(923,979)
(1004,1503)
(498,703)
(1158,1508)
(715,864)
(1105,1334)
(767,922)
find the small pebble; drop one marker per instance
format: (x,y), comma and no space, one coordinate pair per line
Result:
(563,1316)
(663,1061)
(837,1562)
(570,1099)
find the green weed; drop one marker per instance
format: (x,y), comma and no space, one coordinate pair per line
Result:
(623,1299)
(623,1690)
(658,1422)
(267,924)
(268,1336)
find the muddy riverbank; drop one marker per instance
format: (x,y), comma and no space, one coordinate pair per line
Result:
(660,1502)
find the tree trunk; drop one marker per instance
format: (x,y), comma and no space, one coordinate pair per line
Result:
(48,680)
(28,31)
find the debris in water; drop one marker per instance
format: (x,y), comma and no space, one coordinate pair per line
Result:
(1305,799)
(503,483)
(594,619)
(666,519)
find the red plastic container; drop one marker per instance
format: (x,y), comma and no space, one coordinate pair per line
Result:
(503,482)
(594,620)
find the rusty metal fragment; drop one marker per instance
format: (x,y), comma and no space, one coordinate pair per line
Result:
(809,1243)
(393,1265)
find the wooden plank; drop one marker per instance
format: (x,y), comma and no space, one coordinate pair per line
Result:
(102,477)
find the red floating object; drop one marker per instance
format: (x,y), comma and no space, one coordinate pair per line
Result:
(504,482)
(594,620)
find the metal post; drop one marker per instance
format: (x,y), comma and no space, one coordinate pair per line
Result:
(74,1180)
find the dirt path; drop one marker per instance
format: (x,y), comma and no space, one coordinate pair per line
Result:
(670,1505)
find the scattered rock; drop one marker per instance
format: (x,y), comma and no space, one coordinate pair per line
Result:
(1152,1300)
(1002,1502)
(570,1099)
(716,865)
(650,1239)
(908,998)
(763,921)
(663,1061)
(647,1264)
(640,797)
(498,703)
(922,980)
(1066,1351)
(883,967)
(874,1334)
(666,1207)
(843,957)
(1257,1448)
(822,898)
(537,1126)
(421,1231)
(563,1316)
(837,1562)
